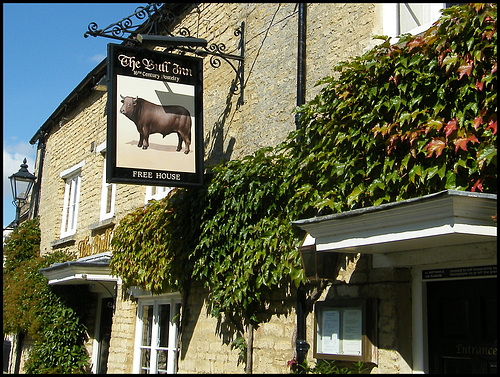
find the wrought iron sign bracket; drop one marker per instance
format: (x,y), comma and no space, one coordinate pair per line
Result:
(155,15)
(186,43)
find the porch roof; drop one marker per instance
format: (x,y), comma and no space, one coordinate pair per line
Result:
(446,218)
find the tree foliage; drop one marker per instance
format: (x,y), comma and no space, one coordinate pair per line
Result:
(31,307)
(22,245)
(398,122)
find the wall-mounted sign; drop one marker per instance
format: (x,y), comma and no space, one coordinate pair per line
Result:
(345,330)
(340,331)
(460,272)
(95,245)
(155,118)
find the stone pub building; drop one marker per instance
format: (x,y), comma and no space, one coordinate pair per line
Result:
(415,285)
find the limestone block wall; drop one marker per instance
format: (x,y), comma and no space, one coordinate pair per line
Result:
(75,140)
(206,342)
(202,348)
(69,144)
(121,346)
(392,290)
(335,32)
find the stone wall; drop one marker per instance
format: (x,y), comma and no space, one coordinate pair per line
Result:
(206,342)
(335,32)
(391,288)
(121,346)
(74,140)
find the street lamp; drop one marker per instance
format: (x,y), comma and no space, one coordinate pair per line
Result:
(317,265)
(21,184)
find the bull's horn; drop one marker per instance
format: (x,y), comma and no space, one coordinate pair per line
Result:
(122,96)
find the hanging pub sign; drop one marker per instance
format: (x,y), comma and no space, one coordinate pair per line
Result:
(155,118)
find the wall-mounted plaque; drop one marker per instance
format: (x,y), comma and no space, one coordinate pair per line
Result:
(345,330)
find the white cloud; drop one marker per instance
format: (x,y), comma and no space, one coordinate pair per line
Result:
(98,58)
(13,156)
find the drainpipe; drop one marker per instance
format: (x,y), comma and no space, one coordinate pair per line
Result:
(301,345)
(35,198)
(301,61)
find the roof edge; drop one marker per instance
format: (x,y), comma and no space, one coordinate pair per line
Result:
(360,211)
(92,78)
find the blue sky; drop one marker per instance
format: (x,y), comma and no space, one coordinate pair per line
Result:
(45,56)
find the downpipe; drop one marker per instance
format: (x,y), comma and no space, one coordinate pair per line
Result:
(301,345)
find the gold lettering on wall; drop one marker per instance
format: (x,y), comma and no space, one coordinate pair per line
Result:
(462,349)
(95,245)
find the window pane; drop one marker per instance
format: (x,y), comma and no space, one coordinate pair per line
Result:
(108,198)
(164,323)
(162,361)
(74,203)
(70,206)
(147,324)
(145,361)
(411,15)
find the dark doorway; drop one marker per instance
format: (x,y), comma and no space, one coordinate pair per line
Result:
(462,323)
(105,333)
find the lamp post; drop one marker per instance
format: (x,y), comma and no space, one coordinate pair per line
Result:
(21,184)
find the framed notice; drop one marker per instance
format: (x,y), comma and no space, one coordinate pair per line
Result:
(345,330)
(155,118)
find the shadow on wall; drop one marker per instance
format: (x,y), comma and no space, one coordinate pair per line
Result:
(281,301)
(391,288)
(215,141)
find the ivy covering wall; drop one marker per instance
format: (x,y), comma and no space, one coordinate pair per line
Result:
(399,122)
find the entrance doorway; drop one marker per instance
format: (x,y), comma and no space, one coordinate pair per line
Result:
(462,326)
(105,333)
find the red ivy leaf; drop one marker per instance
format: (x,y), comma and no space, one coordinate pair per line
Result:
(414,43)
(493,126)
(479,85)
(488,34)
(465,70)
(477,122)
(478,185)
(436,145)
(462,142)
(450,127)
(394,78)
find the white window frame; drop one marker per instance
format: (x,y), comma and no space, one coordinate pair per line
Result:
(174,301)
(104,214)
(391,19)
(156,192)
(73,182)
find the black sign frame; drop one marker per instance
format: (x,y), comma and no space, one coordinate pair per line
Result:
(138,74)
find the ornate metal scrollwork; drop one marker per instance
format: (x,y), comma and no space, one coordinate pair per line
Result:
(217,51)
(149,17)
(155,15)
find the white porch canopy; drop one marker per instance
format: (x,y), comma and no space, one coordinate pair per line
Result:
(412,231)
(89,270)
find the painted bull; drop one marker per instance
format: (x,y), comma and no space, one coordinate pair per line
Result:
(151,118)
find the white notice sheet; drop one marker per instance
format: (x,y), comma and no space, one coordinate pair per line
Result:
(330,342)
(352,332)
